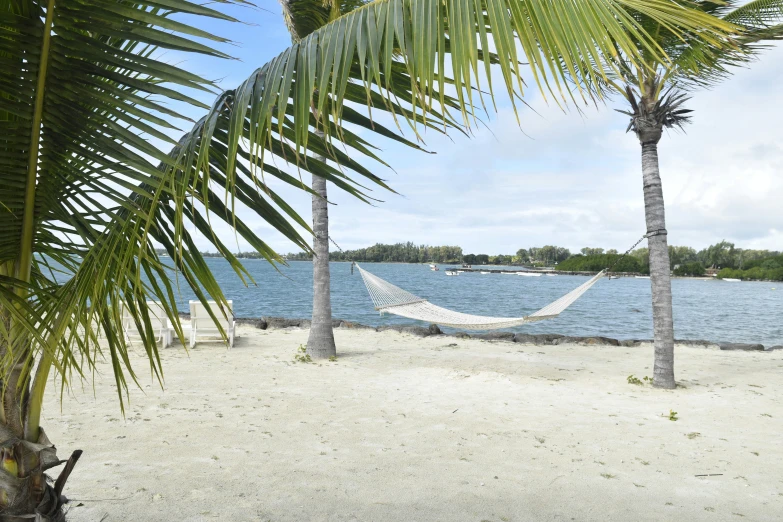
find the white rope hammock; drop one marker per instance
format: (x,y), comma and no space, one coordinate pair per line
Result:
(388,298)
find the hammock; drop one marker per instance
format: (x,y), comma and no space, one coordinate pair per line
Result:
(388,298)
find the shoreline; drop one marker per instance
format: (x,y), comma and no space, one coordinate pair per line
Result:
(547,339)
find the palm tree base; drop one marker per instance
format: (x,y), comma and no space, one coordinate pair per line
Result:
(50,509)
(320,344)
(25,490)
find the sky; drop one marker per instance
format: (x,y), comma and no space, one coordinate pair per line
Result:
(565,179)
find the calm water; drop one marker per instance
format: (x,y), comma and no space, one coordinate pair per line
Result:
(619,308)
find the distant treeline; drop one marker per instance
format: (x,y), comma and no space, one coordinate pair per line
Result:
(769,268)
(732,262)
(722,255)
(598,262)
(241,255)
(397,253)
(412,253)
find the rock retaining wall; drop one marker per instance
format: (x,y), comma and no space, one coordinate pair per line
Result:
(264,323)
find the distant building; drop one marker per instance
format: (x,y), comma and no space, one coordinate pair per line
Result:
(712,272)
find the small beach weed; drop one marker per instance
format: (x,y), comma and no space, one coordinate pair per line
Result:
(673,415)
(302,356)
(632,379)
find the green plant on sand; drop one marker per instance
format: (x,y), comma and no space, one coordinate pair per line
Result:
(301,355)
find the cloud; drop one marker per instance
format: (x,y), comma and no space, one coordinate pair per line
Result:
(575,180)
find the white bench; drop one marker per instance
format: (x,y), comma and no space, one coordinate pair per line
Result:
(158,319)
(203,327)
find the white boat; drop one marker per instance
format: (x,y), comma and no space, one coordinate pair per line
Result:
(529,274)
(732,280)
(451,272)
(642,277)
(551,274)
(485,273)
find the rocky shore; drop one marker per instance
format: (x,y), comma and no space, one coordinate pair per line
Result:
(270,323)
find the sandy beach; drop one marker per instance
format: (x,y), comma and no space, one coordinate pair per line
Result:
(425,429)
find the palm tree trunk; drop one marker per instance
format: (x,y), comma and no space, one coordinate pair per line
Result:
(320,344)
(663,321)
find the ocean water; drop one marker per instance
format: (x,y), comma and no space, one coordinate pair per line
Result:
(619,308)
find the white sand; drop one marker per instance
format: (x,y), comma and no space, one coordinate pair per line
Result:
(410,429)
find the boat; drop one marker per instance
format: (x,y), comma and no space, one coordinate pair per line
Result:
(434,268)
(551,274)
(642,277)
(529,274)
(732,279)
(485,273)
(451,273)
(614,277)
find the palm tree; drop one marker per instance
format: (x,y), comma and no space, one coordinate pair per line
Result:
(656,93)
(83,204)
(302,17)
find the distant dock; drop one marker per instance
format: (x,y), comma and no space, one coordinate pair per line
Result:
(542,271)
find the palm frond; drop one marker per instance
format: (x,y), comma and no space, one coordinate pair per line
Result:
(760,22)
(80,84)
(302,17)
(756,14)
(556,38)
